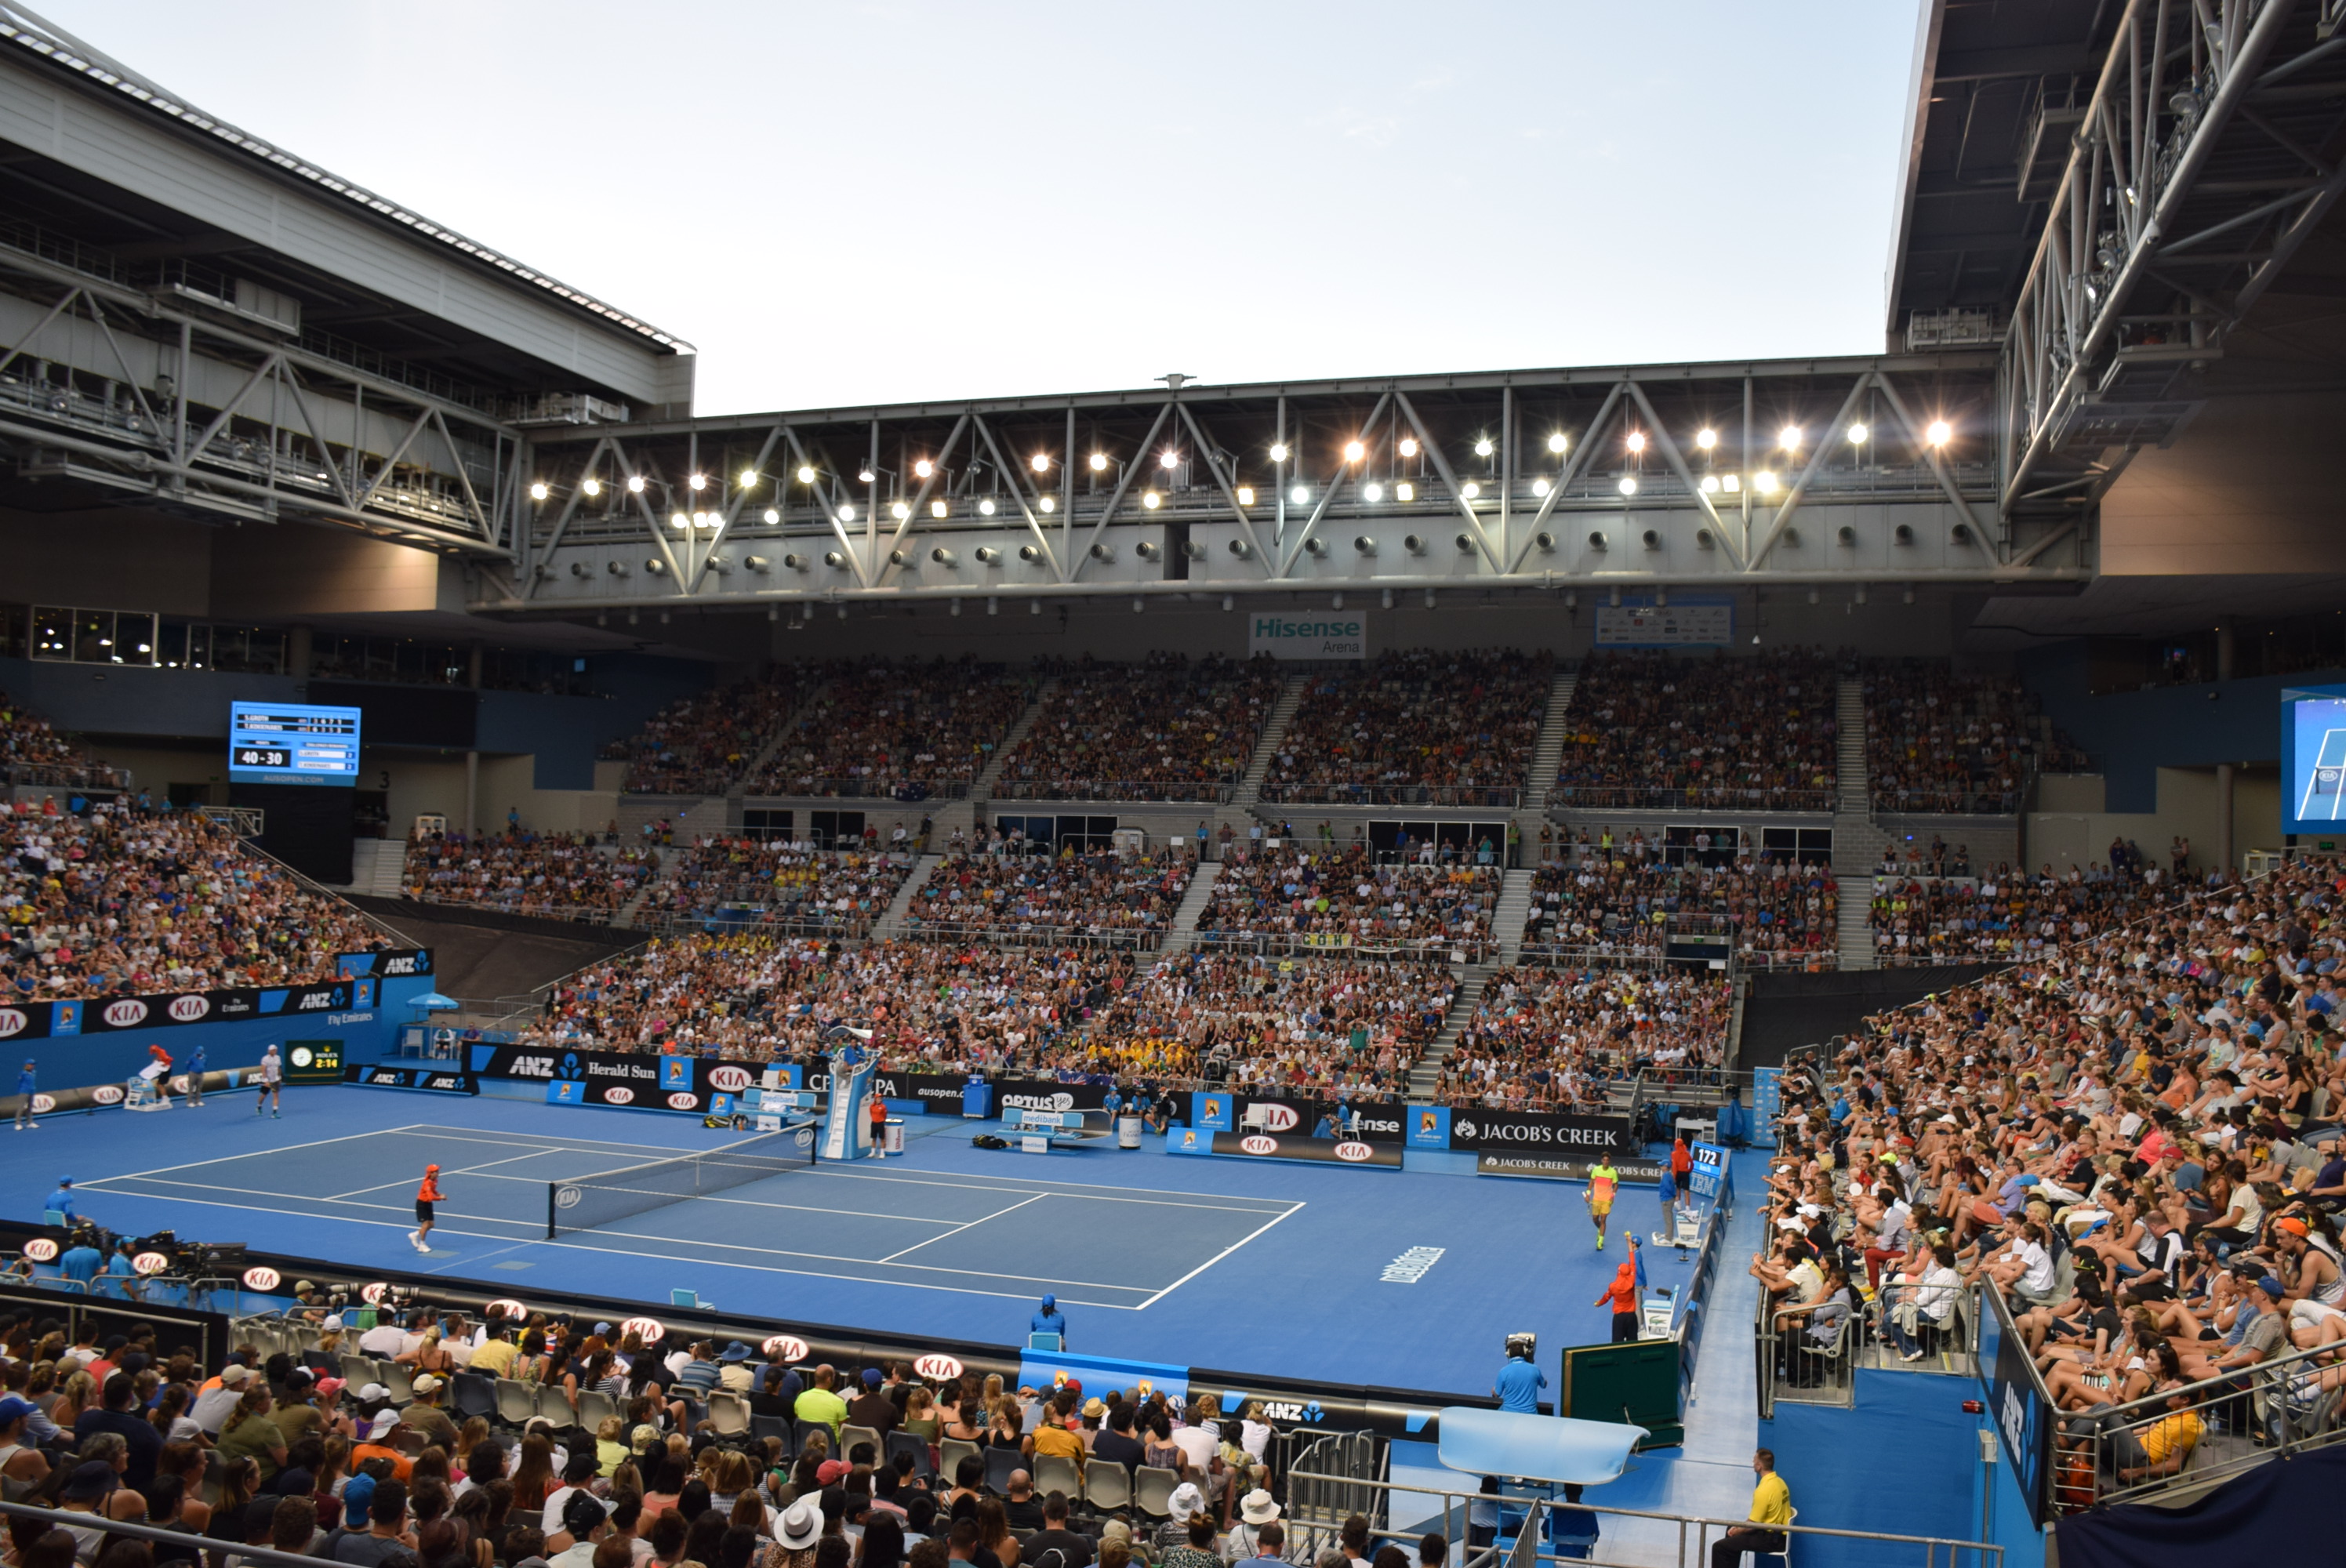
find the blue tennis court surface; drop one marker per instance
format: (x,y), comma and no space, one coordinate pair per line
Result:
(1204,1262)
(2323,796)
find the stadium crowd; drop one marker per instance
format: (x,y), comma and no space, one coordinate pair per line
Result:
(1099,893)
(909,731)
(1628,905)
(1556,1038)
(2132,1138)
(783,880)
(1337,1028)
(298,1451)
(1939,742)
(1165,729)
(1652,728)
(1415,727)
(1341,898)
(1959,919)
(130,901)
(31,752)
(560,876)
(702,744)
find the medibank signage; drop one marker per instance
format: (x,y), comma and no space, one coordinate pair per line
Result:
(1308,637)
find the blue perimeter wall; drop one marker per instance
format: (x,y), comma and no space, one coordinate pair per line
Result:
(2134,734)
(81,1061)
(1891,1465)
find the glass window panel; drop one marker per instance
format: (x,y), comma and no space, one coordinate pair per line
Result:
(51,633)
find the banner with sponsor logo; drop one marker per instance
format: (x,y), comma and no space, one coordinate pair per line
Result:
(1560,1167)
(396,961)
(1538,1132)
(1043,1095)
(1046,1370)
(1223,1111)
(48,1020)
(313,1062)
(1284,1146)
(1709,1164)
(1308,637)
(434,1079)
(938,1093)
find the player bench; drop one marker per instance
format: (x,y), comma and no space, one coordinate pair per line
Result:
(1039,1132)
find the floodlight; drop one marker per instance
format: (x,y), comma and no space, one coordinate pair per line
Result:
(1100,461)
(1279,452)
(847,513)
(899,510)
(1558,441)
(1152,500)
(806,474)
(1484,448)
(1857,435)
(1404,491)
(863,475)
(924,468)
(1637,440)
(940,509)
(538,491)
(591,486)
(1048,504)
(635,484)
(1628,485)
(1706,439)
(985,507)
(1041,462)
(1168,458)
(1408,446)
(1539,487)
(699,481)
(772,516)
(1789,438)
(1940,432)
(1470,490)
(1373,491)
(748,478)
(1354,451)
(1301,494)
(1246,494)
(1764,483)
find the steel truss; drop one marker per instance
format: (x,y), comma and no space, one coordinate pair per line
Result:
(2205,154)
(172,405)
(1665,476)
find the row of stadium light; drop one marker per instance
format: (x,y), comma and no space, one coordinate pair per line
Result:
(1790,440)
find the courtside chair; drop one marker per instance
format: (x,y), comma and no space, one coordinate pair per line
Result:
(999,1464)
(729,1413)
(1779,1559)
(1107,1487)
(1152,1490)
(516,1401)
(851,1434)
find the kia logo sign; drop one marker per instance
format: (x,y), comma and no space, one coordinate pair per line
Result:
(937,1368)
(509,1307)
(43,1104)
(150,1263)
(179,1083)
(785,1348)
(651,1329)
(373,1294)
(188,1009)
(1255,1144)
(107,1093)
(619,1094)
(122,1015)
(1276,1119)
(12,1022)
(262,1277)
(1355,1153)
(728,1080)
(684,1102)
(41,1249)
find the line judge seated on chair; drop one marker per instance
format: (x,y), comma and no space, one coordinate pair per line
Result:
(1771,1510)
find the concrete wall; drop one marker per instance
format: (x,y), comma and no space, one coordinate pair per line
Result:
(2251,488)
(2185,803)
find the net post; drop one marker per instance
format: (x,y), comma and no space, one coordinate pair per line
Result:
(551,1187)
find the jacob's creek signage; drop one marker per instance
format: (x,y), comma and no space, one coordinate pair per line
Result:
(1309,636)
(1528,1132)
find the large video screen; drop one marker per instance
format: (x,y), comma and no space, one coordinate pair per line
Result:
(2313,759)
(293,743)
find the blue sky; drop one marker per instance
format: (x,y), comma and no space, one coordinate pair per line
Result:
(843,203)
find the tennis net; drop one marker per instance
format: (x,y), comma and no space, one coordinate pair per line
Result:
(587,1202)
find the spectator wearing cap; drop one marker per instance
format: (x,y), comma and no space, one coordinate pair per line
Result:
(872,1407)
(297,1414)
(385,1543)
(25,1466)
(90,1489)
(577,1480)
(212,1408)
(117,1414)
(586,1523)
(374,1442)
(426,1414)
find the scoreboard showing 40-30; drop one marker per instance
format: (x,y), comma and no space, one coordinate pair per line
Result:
(293,743)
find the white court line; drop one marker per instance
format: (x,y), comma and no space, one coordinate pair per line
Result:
(831,1168)
(666,1258)
(1216,1258)
(257,1154)
(957,1229)
(1098,1195)
(468,1170)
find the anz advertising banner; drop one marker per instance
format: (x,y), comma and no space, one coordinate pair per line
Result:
(387,963)
(429,1079)
(47,1020)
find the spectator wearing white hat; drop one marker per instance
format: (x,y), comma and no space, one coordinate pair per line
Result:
(426,1414)
(1187,1503)
(212,1408)
(1246,1539)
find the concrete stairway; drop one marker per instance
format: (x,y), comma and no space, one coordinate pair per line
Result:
(1248,793)
(1193,906)
(1426,1074)
(375,866)
(984,789)
(891,922)
(1548,754)
(1857,841)
(1514,908)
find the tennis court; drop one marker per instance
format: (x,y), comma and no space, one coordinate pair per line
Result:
(945,1231)
(2323,797)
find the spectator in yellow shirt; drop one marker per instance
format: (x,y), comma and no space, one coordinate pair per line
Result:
(1771,1510)
(2163,1446)
(1051,1434)
(495,1358)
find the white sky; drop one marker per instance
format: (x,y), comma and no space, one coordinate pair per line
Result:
(847,203)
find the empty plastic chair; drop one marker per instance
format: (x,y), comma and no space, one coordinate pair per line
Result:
(951,1451)
(474,1394)
(1152,1491)
(729,1413)
(399,1381)
(595,1408)
(999,1463)
(516,1401)
(1107,1487)
(1057,1472)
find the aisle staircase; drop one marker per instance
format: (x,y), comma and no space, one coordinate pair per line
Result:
(1857,840)
(1425,1076)
(891,922)
(1514,906)
(1248,793)
(1547,755)
(984,789)
(375,867)
(1200,892)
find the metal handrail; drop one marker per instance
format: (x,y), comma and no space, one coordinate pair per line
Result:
(1490,797)
(1137,791)
(1566,796)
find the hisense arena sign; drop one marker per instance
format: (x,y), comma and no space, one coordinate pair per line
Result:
(1308,636)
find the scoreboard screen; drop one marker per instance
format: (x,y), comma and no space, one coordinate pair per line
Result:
(293,743)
